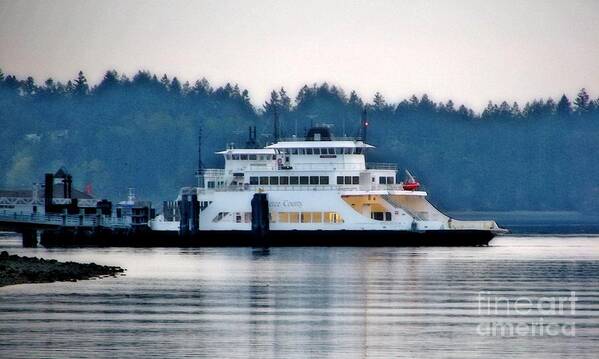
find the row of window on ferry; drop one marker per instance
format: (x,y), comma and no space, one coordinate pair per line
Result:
(282,217)
(311,180)
(302,180)
(324,151)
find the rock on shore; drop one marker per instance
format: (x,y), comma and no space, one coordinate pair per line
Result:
(16,270)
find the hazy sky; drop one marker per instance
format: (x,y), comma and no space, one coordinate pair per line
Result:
(470,51)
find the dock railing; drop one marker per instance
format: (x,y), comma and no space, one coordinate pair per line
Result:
(65,220)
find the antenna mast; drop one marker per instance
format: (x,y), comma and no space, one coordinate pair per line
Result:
(200,172)
(363,126)
(277,131)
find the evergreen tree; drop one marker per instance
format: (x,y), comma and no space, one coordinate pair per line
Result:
(582,101)
(355,101)
(175,86)
(284,101)
(563,108)
(69,88)
(29,88)
(515,111)
(80,87)
(303,95)
(505,111)
(425,104)
(274,102)
(165,82)
(202,88)
(379,103)
(49,87)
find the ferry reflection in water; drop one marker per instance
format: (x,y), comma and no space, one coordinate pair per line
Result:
(299,302)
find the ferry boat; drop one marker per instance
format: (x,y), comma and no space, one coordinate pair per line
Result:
(312,191)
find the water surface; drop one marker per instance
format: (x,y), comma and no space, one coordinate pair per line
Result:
(306,302)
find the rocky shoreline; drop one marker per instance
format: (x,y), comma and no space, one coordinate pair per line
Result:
(17,270)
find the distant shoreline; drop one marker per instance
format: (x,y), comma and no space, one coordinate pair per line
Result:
(20,270)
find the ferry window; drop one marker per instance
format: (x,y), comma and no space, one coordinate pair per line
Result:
(382,180)
(273,217)
(263,180)
(229,156)
(306,217)
(355,180)
(313,179)
(358,150)
(339,151)
(316,217)
(237,217)
(274,180)
(347,151)
(210,184)
(284,217)
(308,151)
(301,151)
(377,216)
(347,179)
(316,151)
(303,179)
(243,157)
(294,151)
(387,216)
(293,180)
(332,217)
(339,179)
(390,180)
(324,151)
(235,157)
(253,180)
(331,151)
(283,180)
(252,157)
(294,217)
(324,180)
(274,157)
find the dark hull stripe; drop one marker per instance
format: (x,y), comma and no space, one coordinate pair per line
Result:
(341,238)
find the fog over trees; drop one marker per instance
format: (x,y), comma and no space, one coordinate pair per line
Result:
(141,132)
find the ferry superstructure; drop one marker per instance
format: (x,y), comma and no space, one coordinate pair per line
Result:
(316,190)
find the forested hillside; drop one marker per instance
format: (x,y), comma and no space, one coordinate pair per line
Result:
(142,132)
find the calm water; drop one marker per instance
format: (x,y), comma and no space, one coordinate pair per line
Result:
(309,302)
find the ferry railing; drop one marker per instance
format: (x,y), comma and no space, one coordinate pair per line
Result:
(333,138)
(20,200)
(320,166)
(381,166)
(342,188)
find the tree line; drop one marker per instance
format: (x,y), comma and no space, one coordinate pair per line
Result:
(141,132)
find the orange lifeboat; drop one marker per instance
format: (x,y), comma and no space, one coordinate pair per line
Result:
(410,184)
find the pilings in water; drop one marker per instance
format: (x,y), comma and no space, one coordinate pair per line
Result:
(260,218)
(189,209)
(29,237)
